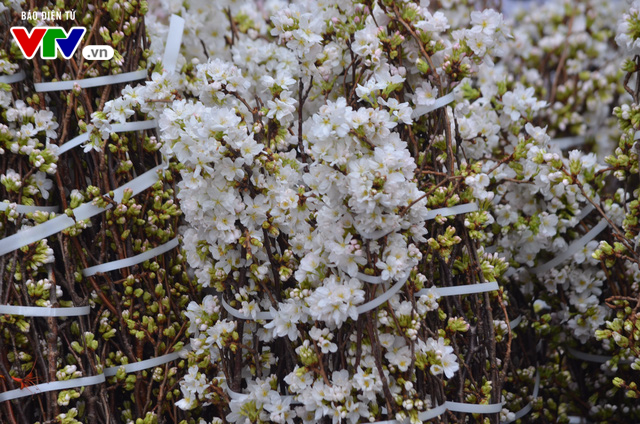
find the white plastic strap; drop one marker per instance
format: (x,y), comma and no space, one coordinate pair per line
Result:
(235,395)
(52,386)
(567,142)
(585,211)
(572,249)
(134,260)
(29,209)
(511,271)
(460,290)
(84,211)
(516,322)
(454,210)
(371,279)
(10,79)
(527,408)
(171,51)
(91,82)
(41,311)
(440,102)
(366,307)
(589,357)
(468,408)
(491,249)
(376,234)
(384,411)
(432,413)
(237,314)
(115,128)
(174,39)
(146,364)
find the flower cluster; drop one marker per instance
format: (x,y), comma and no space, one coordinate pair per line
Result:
(306,186)
(121,316)
(383,207)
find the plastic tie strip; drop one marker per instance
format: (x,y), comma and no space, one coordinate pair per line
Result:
(41,87)
(52,386)
(572,249)
(115,128)
(440,102)
(43,311)
(591,357)
(147,363)
(491,249)
(527,408)
(567,142)
(577,420)
(86,210)
(10,79)
(365,307)
(449,211)
(174,40)
(516,322)
(96,379)
(239,315)
(454,210)
(172,49)
(29,209)
(134,260)
(460,290)
(583,213)
(371,279)
(468,408)
(376,234)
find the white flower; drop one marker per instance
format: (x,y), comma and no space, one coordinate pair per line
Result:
(334,302)
(42,183)
(400,357)
(447,360)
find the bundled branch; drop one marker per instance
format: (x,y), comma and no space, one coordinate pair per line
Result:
(134,311)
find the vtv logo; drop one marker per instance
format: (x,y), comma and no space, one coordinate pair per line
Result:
(49,39)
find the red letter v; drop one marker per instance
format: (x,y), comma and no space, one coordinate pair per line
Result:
(28,43)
